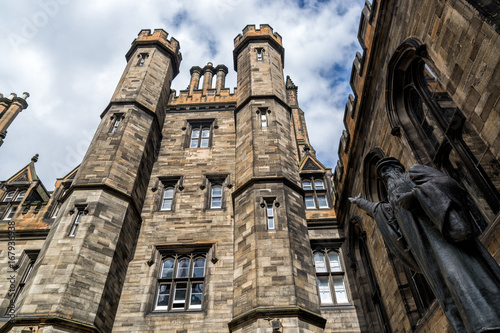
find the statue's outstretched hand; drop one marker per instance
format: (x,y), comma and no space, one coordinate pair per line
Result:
(356,199)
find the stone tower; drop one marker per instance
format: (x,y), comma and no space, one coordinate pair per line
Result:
(272,259)
(82,265)
(9,109)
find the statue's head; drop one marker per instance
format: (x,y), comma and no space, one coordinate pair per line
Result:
(387,165)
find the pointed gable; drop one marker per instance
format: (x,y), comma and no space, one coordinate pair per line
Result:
(310,163)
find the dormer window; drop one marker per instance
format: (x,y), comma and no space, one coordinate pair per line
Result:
(8,197)
(20,196)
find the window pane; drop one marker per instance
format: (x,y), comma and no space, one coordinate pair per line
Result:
(180,295)
(194,143)
(270,210)
(168,193)
(310,202)
(205,133)
(196,295)
(319,261)
(8,196)
(204,143)
(270,223)
(319,185)
(166,204)
(322,201)
(334,262)
(324,290)
(168,269)
(183,268)
(340,292)
(20,196)
(306,185)
(195,134)
(199,267)
(217,191)
(163,296)
(216,203)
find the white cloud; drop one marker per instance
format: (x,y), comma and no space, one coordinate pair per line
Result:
(69,55)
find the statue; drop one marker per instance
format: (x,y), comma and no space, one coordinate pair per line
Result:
(426,226)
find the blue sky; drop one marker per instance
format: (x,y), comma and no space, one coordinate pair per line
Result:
(69,55)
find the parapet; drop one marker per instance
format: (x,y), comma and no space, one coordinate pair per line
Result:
(250,31)
(264,33)
(159,38)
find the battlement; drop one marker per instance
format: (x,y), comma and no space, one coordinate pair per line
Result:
(159,38)
(251,31)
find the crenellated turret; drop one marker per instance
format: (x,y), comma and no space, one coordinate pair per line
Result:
(270,228)
(96,227)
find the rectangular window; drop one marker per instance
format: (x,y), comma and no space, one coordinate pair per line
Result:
(142,59)
(116,119)
(56,210)
(76,223)
(263,119)
(181,281)
(330,277)
(269,204)
(200,135)
(10,213)
(216,197)
(260,54)
(168,192)
(20,196)
(167,198)
(315,193)
(8,197)
(25,264)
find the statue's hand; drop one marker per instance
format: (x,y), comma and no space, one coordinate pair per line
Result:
(356,199)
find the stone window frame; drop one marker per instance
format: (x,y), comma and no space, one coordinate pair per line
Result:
(259,52)
(200,124)
(24,268)
(210,181)
(166,183)
(177,253)
(263,111)
(141,59)
(116,120)
(271,220)
(329,274)
(80,210)
(314,193)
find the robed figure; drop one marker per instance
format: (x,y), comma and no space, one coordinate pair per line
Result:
(424,223)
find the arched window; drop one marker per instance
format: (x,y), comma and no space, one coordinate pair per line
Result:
(180,284)
(420,108)
(368,288)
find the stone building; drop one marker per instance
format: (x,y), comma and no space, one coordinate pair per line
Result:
(425,90)
(204,210)
(207,211)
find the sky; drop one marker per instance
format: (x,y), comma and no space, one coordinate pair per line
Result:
(70,54)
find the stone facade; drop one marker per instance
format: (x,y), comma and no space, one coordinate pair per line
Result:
(207,211)
(441,58)
(213,181)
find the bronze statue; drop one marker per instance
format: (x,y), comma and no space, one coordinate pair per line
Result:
(424,223)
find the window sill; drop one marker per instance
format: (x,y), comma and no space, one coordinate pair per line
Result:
(347,306)
(174,312)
